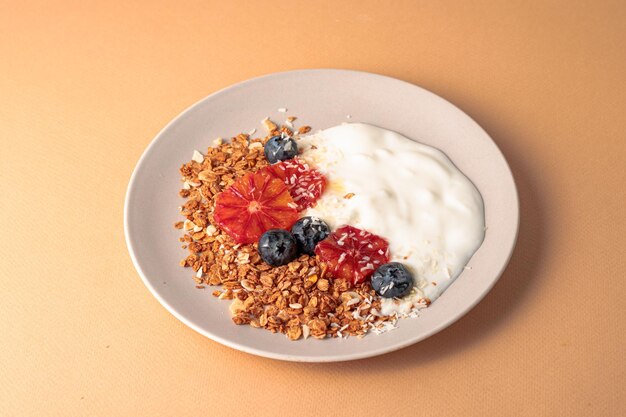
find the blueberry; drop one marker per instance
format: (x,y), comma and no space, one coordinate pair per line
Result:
(392,280)
(308,231)
(278,247)
(279,149)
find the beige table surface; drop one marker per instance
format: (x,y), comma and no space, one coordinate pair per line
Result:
(85,86)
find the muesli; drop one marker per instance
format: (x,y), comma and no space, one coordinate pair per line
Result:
(269,224)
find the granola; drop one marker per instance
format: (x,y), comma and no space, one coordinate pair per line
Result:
(299,299)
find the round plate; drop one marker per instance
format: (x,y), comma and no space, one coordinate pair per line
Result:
(321,99)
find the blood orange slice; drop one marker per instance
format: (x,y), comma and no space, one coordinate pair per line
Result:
(305,184)
(254,204)
(353,254)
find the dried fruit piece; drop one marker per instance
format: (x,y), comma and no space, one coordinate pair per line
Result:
(254,204)
(352,254)
(305,184)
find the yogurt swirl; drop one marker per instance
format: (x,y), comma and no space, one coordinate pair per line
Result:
(407,192)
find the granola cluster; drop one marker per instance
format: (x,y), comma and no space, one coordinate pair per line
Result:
(299,299)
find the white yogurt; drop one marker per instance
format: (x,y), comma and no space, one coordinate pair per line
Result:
(409,193)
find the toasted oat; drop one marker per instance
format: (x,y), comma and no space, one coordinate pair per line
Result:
(246,284)
(317,328)
(206,175)
(304,129)
(294,332)
(323,285)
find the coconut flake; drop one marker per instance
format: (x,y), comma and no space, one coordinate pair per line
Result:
(353,301)
(368,267)
(197,156)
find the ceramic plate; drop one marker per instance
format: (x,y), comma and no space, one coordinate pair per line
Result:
(321,99)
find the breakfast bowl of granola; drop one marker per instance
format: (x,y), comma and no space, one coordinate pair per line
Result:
(321,215)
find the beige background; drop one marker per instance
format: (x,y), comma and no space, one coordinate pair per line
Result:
(83,89)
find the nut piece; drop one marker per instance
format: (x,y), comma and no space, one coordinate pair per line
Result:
(188,225)
(198,157)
